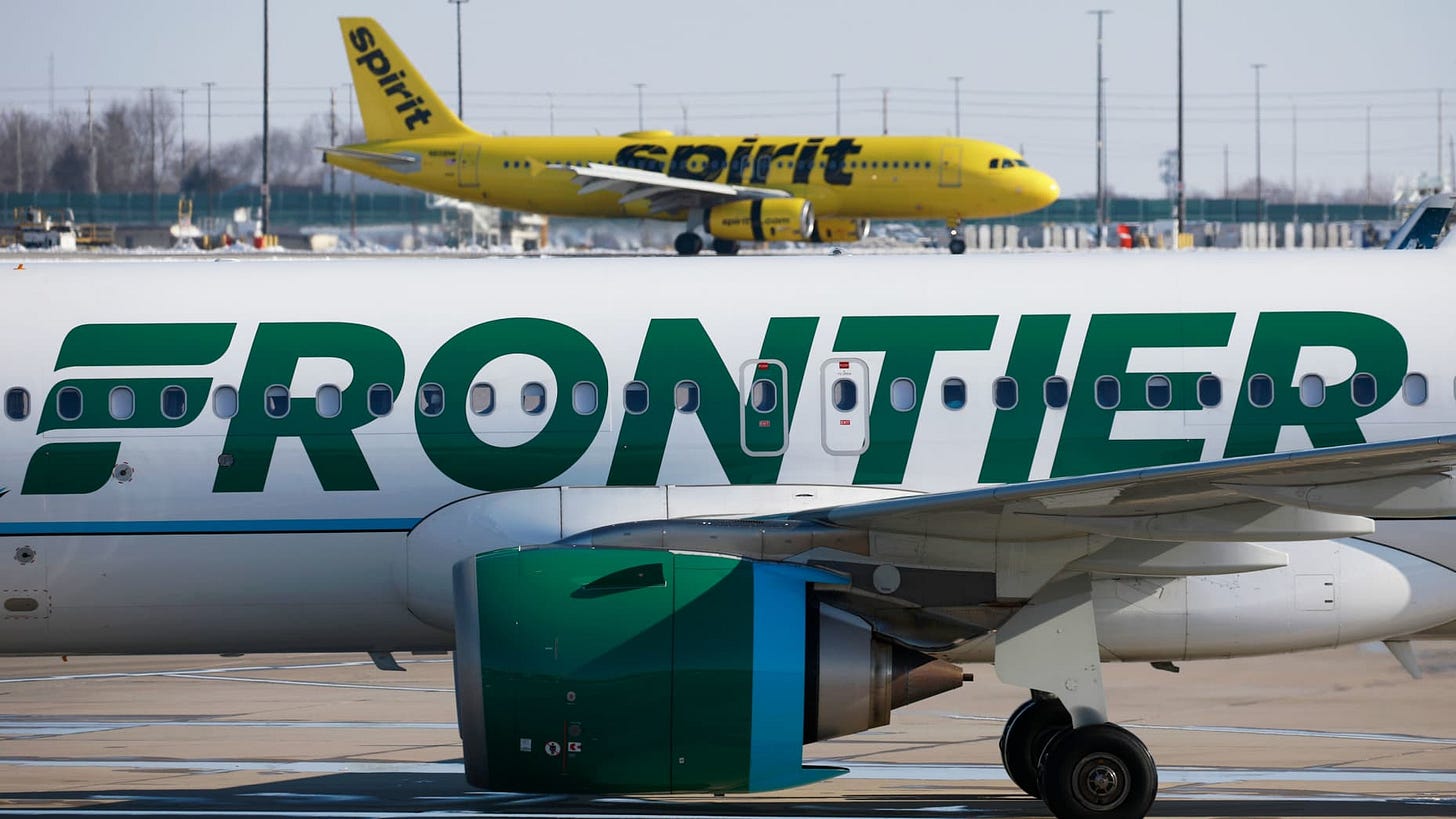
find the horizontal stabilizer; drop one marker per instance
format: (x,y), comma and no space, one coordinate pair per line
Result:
(395,161)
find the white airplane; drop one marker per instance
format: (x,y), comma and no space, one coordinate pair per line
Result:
(676,524)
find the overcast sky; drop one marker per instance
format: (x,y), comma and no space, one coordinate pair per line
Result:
(1029,72)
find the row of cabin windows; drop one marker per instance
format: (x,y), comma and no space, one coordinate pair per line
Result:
(763,396)
(1107,392)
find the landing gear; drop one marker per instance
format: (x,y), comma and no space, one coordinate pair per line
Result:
(1029,730)
(1098,772)
(725,247)
(957,245)
(688,244)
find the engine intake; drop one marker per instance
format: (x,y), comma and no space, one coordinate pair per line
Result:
(594,670)
(762,220)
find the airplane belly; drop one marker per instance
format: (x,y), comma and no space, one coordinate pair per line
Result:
(210,593)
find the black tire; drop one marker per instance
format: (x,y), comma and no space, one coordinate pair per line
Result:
(725,247)
(1098,772)
(1029,729)
(957,246)
(688,244)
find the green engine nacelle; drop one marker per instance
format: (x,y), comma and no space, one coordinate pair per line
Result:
(585,670)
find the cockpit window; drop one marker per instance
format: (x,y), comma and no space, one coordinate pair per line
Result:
(996,163)
(1021,163)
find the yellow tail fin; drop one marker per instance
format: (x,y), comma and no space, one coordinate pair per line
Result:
(395,102)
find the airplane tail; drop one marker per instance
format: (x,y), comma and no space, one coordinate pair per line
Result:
(395,102)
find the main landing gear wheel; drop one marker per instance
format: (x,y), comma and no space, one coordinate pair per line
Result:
(1098,772)
(725,247)
(688,244)
(957,246)
(1028,731)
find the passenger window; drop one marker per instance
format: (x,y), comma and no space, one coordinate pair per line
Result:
(482,399)
(953,393)
(1261,390)
(1311,390)
(533,398)
(1108,392)
(431,400)
(1003,393)
(1055,392)
(902,394)
(17,404)
(123,403)
(844,395)
(685,396)
(1210,391)
(68,404)
(1414,389)
(381,400)
(584,398)
(275,401)
(763,396)
(225,402)
(329,401)
(174,402)
(634,397)
(1362,389)
(1159,391)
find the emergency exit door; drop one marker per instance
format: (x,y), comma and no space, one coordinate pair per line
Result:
(467,166)
(763,386)
(844,398)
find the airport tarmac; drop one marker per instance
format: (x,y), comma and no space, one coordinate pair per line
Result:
(1337,733)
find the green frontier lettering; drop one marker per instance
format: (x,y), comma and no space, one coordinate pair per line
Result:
(78,468)
(677,350)
(329,443)
(454,447)
(1015,431)
(1278,339)
(1086,445)
(910,344)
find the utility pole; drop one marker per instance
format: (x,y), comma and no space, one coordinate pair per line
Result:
(263,224)
(91,183)
(885,111)
(1225,171)
(1294,158)
(837,78)
(152,151)
(1258,143)
(353,192)
(1438,133)
(1367,154)
(640,86)
(1101,144)
(182,118)
(957,81)
(1181,221)
(551,113)
(459,63)
(208,85)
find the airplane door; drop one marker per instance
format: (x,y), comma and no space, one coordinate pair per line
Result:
(950,166)
(467,166)
(765,411)
(845,399)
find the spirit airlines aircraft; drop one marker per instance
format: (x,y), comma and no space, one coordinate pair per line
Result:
(751,188)
(676,524)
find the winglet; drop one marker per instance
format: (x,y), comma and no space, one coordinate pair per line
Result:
(395,101)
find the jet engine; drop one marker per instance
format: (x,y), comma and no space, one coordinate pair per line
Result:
(839,230)
(607,670)
(762,220)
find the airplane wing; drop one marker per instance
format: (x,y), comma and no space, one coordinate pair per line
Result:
(1312,494)
(393,161)
(664,193)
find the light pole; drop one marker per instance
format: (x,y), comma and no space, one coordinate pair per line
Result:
(1101,134)
(182,118)
(1294,159)
(263,223)
(957,81)
(1258,146)
(837,78)
(640,86)
(459,63)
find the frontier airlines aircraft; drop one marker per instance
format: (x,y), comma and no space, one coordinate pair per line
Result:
(736,188)
(678,519)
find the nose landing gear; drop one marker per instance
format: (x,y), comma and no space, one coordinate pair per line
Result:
(957,244)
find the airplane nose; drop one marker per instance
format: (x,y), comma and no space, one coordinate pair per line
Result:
(1043,190)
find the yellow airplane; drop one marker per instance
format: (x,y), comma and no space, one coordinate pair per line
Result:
(749,188)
